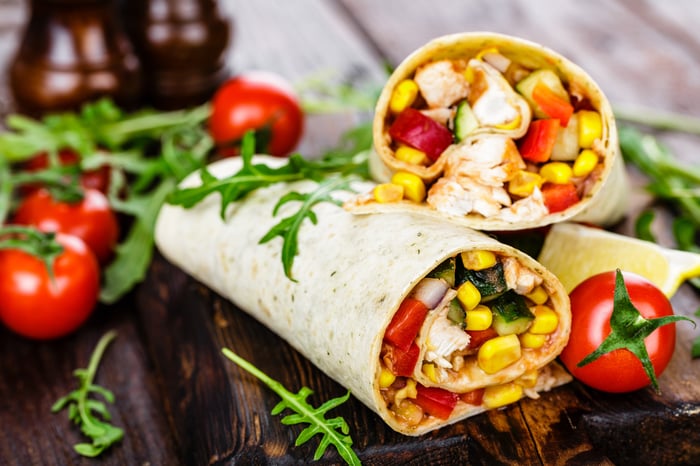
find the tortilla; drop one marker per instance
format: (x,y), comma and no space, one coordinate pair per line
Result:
(352,273)
(603,197)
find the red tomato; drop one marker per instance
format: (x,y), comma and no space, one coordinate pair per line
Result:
(479,337)
(260,101)
(403,362)
(93,179)
(537,144)
(436,401)
(406,323)
(558,197)
(36,306)
(91,219)
(591,307)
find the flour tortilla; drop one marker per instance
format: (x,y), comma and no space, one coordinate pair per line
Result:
(606,202)
(352,273)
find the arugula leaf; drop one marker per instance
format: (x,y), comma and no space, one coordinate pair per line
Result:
(288,227)
(333,431)
(92,416)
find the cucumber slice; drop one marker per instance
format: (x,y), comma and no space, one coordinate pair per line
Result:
(465,121)
(511,314)
(490,282)
(527,85)
(445,271)
(456,313)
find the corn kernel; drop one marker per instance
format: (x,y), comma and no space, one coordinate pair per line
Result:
(478,259)
(556,172)
(524,183)
(388,192)
(590,128)
(468,295)
(479,318)
(528,379)
(410,155)
(532,341)
(413,186)
(538,295)
(496,396)
(546,320)
(408,391)
(429,371)
(409,412)
(386,378)
(403,95)
(585,162)
(499,353)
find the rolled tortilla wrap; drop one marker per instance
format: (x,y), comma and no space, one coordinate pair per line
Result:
(484,73)
(352,274)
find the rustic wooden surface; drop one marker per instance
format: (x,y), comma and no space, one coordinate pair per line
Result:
(180,402)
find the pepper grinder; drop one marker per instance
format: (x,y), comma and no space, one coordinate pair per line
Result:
(182,45)
(73,51)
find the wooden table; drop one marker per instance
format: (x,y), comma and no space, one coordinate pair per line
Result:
(179,403)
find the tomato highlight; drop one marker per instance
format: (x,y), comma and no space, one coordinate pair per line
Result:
(414,129)
(406,323)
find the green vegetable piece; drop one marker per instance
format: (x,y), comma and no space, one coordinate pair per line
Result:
(445,271)
(628,329)
(456,313)
(91,415)
(490,282)
(333,431)
(465,121)
(511,314)
(526,87)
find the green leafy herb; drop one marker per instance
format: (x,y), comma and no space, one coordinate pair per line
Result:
(628,329)
(36,243)
(333,431)
(642,226)
(91,415)
(337,167)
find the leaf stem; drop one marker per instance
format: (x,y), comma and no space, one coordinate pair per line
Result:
(657,119)
(91,371)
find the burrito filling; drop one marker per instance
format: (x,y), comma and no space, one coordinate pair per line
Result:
(512,143)
(472,332)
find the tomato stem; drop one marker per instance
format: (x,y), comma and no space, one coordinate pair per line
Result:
(42,245)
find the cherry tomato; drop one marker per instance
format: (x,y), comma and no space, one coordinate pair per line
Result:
(91,219)
(36,306)
(93,179)
(591,307)
(261,101)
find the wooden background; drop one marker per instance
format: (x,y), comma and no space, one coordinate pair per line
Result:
(181,403)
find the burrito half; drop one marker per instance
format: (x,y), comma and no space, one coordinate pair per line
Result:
(502,134)
(426,322)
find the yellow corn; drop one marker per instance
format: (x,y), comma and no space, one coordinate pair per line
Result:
(532,341)
(388,192)
(528,379)
(408,391)
(590,128)
(515,123)
(429,371)
(499,353)
(585,162)
(468,295)
(410,155)
(386,378)
(538,295)
(556,172)
(524,183)
(403,95)
(413,186)
(409,412)
(479,318)
(546,320)
(478,259)
(496,396)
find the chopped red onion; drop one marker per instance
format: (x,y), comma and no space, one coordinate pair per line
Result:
(430,291)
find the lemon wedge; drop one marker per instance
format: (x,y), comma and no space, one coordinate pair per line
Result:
(574,252)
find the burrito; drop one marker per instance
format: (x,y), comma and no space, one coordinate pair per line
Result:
(425,321)
(496,133)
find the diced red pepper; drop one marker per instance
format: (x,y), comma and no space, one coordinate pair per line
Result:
(475,397)
(558,197)
(406,323)
(436,401)
(403,362)
(479,337)
(414,129)
(552,104)
(539,141)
